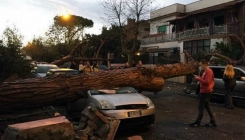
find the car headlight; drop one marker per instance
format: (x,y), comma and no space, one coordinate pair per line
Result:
(104,104)
(149,102)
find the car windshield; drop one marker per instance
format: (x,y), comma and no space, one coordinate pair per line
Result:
(103,67)
(122,90)
(45,68)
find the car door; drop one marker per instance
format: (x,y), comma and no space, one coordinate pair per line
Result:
(239,90)
(219,88)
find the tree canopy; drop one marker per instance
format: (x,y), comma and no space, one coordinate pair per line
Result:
(11,59)
(117,11)
(12,36)
(66,30)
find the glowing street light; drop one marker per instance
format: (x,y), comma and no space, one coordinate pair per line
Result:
(66,16)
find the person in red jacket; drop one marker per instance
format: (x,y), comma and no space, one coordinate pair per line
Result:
(206,90)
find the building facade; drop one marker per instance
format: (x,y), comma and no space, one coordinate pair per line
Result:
(194,27)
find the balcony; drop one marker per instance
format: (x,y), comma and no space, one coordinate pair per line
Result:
(189,34)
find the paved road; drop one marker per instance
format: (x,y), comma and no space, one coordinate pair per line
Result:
(174,110)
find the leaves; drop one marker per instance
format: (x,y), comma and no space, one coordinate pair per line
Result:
(12,36)
(233,50)
(13,62)
(67,30)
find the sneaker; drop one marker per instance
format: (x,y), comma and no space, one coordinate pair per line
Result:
(210,125)
(195,124)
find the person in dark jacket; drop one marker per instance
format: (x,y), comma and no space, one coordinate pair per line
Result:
(74,66)
(229,79)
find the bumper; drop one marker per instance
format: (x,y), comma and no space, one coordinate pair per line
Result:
(143,116)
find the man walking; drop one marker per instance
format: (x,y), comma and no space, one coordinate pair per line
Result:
(206,89)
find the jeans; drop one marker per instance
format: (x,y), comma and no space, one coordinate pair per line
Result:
(204,103)
(228,97)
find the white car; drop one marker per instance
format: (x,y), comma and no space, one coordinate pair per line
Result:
(41,69)
(125,104)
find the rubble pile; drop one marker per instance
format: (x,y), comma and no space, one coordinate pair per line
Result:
(58,128)
(95,126)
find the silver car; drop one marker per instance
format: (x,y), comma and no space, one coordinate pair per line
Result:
(219,88)
(125,104)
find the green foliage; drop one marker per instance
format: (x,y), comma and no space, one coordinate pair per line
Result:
(40,51)
(13,62)
(67,30)
(12,36)
(11,59)
(73,22)
(111,38)
(233,50)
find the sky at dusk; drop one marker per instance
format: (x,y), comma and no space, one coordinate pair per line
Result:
(33,17)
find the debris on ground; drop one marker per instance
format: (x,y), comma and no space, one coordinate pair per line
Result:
(58,128)
(94,125)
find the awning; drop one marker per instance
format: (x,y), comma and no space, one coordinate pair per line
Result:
(177,18)
(162,28)
(215,8)
(209,9)
(160,50)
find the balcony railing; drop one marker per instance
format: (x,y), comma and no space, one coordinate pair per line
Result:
(187,34)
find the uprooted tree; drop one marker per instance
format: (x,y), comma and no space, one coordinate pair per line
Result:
(60,89)
(36,92)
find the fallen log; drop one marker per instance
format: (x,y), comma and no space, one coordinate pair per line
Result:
(36,92)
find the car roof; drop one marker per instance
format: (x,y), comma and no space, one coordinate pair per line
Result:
(62,69)
(220,66)
(46,65)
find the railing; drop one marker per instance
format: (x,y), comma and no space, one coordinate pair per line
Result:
(225,29)
(232,29)
(202,31)
(220,29)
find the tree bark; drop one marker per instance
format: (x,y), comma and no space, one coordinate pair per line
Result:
(36,92)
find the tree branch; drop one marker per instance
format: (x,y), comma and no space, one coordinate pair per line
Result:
(188,55)
(70,57)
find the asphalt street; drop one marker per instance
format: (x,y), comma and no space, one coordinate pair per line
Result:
(175,110)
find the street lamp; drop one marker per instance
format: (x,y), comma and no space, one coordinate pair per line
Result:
(66,16)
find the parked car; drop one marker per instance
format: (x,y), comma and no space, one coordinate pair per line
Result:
(219,89)
(124,103)
(64,71)
(103,67)
(41,69)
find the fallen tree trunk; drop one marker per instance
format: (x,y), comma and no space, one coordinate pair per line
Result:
(36,92)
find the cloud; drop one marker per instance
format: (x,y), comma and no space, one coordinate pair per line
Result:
(33,17)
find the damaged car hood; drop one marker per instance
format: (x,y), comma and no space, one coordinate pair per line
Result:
(122,99)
